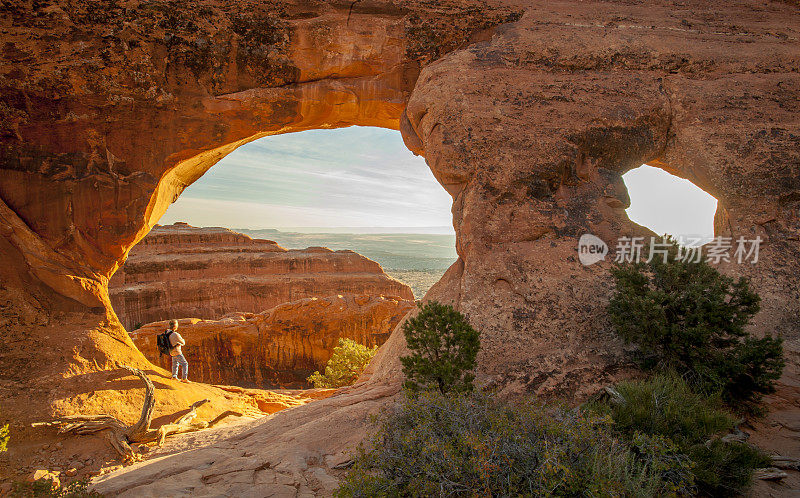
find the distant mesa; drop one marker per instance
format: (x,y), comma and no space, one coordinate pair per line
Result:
(180,271)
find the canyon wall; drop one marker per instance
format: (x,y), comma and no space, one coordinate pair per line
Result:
(279,347)
(180,271)
(531,132)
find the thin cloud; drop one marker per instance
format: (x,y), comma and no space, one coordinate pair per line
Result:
(359,177)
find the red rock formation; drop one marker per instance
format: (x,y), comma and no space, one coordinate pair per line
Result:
(532,146)
(278,347)
(97,138)
(180,271)
(110,110)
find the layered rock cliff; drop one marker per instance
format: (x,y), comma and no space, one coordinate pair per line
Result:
(279,347)
(180,271)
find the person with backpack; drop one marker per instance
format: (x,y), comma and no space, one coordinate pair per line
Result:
(170,342)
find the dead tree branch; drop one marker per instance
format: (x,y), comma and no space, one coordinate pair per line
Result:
(120,435)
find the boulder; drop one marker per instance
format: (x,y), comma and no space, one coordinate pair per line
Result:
(43,474)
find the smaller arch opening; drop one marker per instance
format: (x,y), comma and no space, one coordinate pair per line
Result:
(668,204)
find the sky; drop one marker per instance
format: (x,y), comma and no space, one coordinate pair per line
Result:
(365,180)
(667,204)
(353,177)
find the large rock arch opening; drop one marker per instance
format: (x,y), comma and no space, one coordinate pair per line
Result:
(102,131)
(94,152)
(668,204)
(528,126)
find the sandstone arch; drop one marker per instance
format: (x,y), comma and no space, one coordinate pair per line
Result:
(95,150)
(528,128)
(102,131)
(574,187)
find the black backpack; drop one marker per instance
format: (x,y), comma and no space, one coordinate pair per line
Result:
(162,341)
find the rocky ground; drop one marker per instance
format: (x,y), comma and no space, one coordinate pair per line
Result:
(41,452)
(274,456)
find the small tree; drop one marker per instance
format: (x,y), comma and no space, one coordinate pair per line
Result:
(687,316)
(443,349)
(349,359)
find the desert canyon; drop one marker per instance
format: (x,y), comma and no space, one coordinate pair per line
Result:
(527,112)
(180,271)
(281,346)
(258,315)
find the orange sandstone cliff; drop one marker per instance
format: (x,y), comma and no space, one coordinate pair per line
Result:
(527,112)
(278,347)
(180,271)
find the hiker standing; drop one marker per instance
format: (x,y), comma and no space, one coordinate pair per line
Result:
(178,360)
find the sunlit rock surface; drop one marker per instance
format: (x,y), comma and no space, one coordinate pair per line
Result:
(109,111)
(278,347)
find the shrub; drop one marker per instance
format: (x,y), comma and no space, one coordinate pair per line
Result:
(689,317)
(4,438)
(443,349)
(752,368)
(471,444)
(47,488)
(349,359)
(665,406)
(725,469)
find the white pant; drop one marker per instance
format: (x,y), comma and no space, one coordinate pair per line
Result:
(178,362)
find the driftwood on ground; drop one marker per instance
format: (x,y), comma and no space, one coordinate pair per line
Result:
(120,435)
(770,474)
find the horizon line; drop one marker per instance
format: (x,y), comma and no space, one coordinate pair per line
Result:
(428,229)
(343,229)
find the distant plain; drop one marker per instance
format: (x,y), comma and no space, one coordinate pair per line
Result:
(417,259)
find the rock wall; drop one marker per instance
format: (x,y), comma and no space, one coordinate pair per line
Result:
(279,347)
(110,110)
(531,132)
(181,271)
